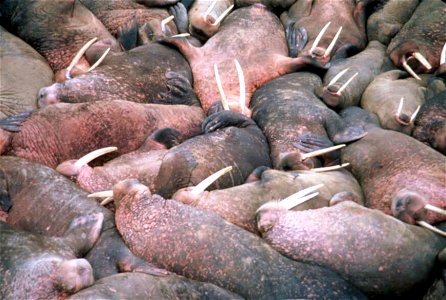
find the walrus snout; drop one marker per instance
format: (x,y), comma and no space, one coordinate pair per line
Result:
(408,206)
(75,275)
(128,187)
(48,95)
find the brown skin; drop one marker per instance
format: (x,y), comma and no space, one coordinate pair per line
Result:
(48,135)
(268,3)
(202,246)
(379,254)
(423,33)
(152,3)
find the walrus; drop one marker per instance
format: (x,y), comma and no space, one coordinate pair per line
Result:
(34,266)
(396,170)
(20,64)
(380,255)
(202,246)
(287,108)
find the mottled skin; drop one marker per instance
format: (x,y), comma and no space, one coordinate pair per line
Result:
(202,246)
(240,37)
(393,167)
(25,185)
(287,109)
(380,255)
(369,63)
(63,131)
(424,33)
(143,286)
(34,266)
(229,139)
(56,29)
(386,21)
(239,204)
(20,64)
(151,73)
(382,97)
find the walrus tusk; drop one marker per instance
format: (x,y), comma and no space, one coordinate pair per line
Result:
(443,55)
(408,68)
(398,114)
(430,227)
(332,168)
(199,188)
(342,88)
(102,194)
(241,79)
(422,60)
(210,8)
(333,81)
(78,56)
(319,37)
(287,202)
(106,201)
(99,60)
(333,42)
(92,155)
(322,151)
(165,21)
(414,115)
(293,202)
(224,14)
(435,209)
(224,101)
(180,35)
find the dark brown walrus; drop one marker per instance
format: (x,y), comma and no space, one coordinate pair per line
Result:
(202,246)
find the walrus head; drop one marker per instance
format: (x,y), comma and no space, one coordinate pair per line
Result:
(408,206)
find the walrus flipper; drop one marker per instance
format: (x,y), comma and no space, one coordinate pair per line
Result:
(12,123)
(297,38)
(180,90)
(132,263)
(310,142)
(179,11)
(183,44)
(224,119)
(127,34)
(341,132)
(169,137)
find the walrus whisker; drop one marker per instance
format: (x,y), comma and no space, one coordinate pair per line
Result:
(78,56)
(319,37)
(102,194)
(223,15)
(201,187)
(224,101)
(443,55)
(333,42)
(322,151)
(414,115)
(93,155)
(435,209)
(180,35)
(432,228)
(332,168)
(99,60)
(339,75)
(344,86)
(409,69)
(210,8)
(241,79)
(418,56)
(165,21)
(106,201)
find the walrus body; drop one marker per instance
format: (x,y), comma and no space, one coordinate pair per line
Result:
(380,255)
(202,246)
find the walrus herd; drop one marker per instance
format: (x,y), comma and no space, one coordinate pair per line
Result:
(223,149)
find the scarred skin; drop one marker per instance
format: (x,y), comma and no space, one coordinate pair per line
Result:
(287,109)
(423,33)
(34,266)
(48,135)
(202,246)
(25,185)
(239,204)
(240,37)
(379,254)
(397,170)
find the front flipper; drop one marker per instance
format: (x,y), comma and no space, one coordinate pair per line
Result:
(344,134)
(180,90)
(297,38)
(169,137)
(310,142)
(224,119)
(181,19)
(184,45)
(127,34)
(13,123)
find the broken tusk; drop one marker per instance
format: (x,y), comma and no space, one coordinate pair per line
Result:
(210,8)
(199,188)
(422,60)
(224,14)
(430,227)
(414,115)
(319,37)
(409,69)
(333,81)
(180,35)
(99,60)
(103,194)
(241,79)
(333,42)
(344,86)
(78,56)
(332,168)
(106,201)
(322,151)
(224,101)
(443,55)
(435,209)
(165,21)
(93,155)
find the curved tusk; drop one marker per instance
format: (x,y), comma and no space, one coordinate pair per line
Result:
(165,21)
(414,115)
(422,60)
(344,86)
(400,108)
(322,151)
(435,209)
(295,201)
(99,60)
(443,55)
(409,69)
(333,81)
(93,155)
(287,202)
(430,227)
(180,35)
(224,14)
(106,201)
(333,42)
(224,101)
(319,37)
(241,79)
(332,168)
(199,188)
(210,8)
(103,194)
(78,56)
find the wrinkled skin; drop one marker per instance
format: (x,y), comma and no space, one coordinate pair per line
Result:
(369,63)
(382,97)
(287,110)
(396,170)
(41,267)
(202,246)
(423,33)
(20,64)
(48,136)
(240,37)
(25,185)
(379,254)
(133,76)
(239,204)
(143,286)
(229,139)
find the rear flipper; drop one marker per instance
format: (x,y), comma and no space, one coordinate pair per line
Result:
(310,142)
(297,38)
(180,90)
(179,11)
(169,137)
(13,123)
(224,119)
(127,34)
(340,132)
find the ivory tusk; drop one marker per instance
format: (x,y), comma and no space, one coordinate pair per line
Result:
(199,188)
(78,56)
(106,201)
(210,8)
(414,115)
(333,42)
(332,168)
(180,35)
(224,14)
(99,60)
(322,151)
(165,21)
(319,37)
(224,101)
(103,194)
(333,81)
(344,86)
(409,69)
(430,227)
(290,199)
(241,79)
(443,55)
(400,108)
(422,60)
(435,209)
(93,155)
(295,201)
